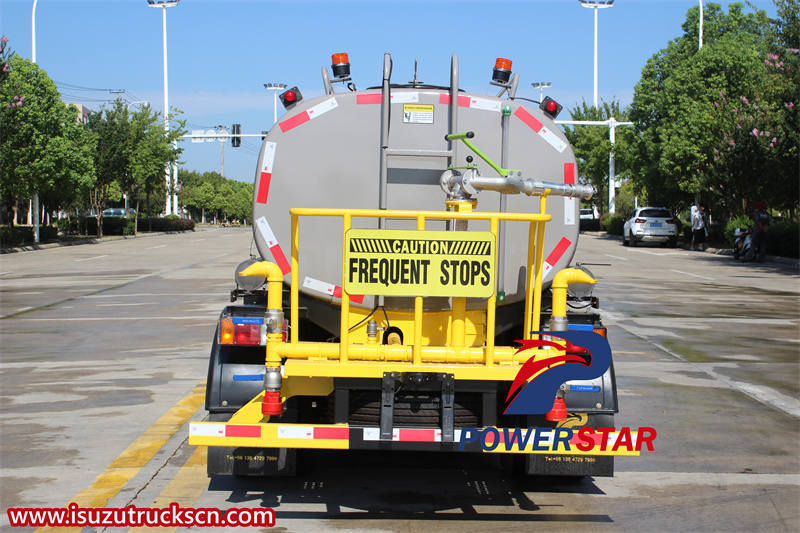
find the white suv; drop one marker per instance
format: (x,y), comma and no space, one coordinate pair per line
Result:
(650,224)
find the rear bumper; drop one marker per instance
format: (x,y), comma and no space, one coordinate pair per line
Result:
(549,441)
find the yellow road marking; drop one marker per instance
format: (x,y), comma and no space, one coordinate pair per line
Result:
(136,456)
(184,488)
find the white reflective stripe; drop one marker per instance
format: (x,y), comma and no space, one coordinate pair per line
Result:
(266,232)
(319,286)
(552,139)
(405,98)
(321,109)
(569,211)
(374,434)
(269,157)
(486,105)
(293,432)
(207,430)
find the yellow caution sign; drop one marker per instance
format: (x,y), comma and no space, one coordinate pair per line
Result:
(419,263)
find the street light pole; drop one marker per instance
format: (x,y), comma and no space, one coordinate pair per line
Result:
(164,5)
(596,5)
(35,200)
(274,87)
(541,85)
(700,39)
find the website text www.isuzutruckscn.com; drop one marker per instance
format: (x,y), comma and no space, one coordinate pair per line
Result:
(131,516)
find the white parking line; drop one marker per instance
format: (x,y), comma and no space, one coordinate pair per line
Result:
(197,240)
(88,258)
(6,272)
(616,257)
(154,247)
(689,274)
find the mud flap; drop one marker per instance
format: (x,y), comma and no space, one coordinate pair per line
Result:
(242,461)
(228,460)
(569,465)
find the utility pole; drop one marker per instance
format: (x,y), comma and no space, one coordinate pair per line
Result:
(222,149)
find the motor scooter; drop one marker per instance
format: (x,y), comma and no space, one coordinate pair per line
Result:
(741,242)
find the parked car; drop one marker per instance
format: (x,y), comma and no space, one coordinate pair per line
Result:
(650,224)
(587,214)
(111,213)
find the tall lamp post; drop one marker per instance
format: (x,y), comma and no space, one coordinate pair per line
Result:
(700,39)
(34,207)
(164,5)
(596,5)
(275,87)
(541,85)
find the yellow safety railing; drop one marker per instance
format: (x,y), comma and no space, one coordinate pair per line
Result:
(417,353)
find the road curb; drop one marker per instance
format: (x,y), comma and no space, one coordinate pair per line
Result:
(88,240)
(716,251)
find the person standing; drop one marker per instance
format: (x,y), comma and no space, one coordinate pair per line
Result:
(698,228)
(760,227)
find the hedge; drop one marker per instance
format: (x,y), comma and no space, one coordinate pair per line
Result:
(613,224)
(122,226)
(16,235)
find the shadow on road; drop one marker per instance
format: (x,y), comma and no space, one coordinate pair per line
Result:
(407,486)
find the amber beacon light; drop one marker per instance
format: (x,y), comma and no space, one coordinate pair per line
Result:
(340,64)
(502,70)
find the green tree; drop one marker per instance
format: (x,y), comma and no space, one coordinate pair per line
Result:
(150,148)
(132,152)
(696,111)
(592,147)
(43,150)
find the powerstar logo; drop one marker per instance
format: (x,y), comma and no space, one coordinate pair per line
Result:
(587,355)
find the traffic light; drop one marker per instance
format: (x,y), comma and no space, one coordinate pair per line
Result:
(290,98)
(236,130)
(550,107)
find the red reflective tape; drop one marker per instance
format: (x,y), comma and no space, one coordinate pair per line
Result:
(569,173)
(463,101)
(558,251)
(263,188)
(243,431)
(369,99)
(332,433)
(280,259)
(416,435)
(295,121)
(528,119)
(337,293)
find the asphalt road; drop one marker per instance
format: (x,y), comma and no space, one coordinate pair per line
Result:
(104,348)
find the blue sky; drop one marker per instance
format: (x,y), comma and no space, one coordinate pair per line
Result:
(221,52)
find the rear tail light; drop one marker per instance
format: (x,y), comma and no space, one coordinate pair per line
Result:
(670,221)
(243,331)
(550,107)
(640,221)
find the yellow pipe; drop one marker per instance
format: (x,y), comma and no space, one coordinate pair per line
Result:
(294,311)
(344,322)
(418,312)
(402,353)
(491,304)
(561,281)
(274,276)
(539,275)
